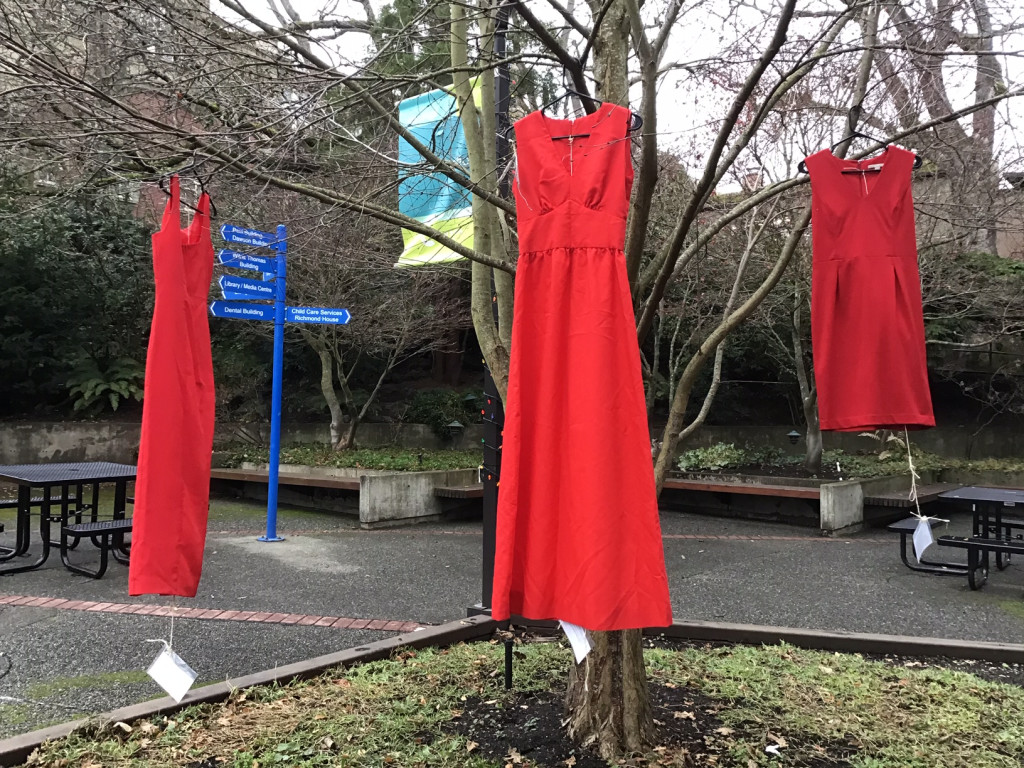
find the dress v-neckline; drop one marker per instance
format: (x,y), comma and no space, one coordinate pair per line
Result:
(884,156)
(583,124)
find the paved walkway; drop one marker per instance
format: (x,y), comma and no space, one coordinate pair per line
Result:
(70,645)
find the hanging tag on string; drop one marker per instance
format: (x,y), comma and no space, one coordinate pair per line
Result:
(922,537)
(171,673)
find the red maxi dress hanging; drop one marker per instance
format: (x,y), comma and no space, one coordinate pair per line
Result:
(867,325)
(578,536)
(172,489)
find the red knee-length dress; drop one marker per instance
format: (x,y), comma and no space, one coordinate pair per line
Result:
(172,489)
(578,535)
(867,325)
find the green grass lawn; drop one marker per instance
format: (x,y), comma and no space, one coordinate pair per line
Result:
(420,709)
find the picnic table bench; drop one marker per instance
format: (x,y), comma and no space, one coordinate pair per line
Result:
(107,535)
(992,533)
(978,548)
(905,528)
(63,502)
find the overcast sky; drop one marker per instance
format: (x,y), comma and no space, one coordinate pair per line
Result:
(690,106)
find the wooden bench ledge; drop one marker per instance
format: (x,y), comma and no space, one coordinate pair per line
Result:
(475,491)
(898,499)
(749,489)
(286,478)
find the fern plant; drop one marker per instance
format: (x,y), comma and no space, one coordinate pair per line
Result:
(890,444)
(94,387)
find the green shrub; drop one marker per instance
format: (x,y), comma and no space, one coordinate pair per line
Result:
(713,457)
(437,408)
(891,462)
(318,455)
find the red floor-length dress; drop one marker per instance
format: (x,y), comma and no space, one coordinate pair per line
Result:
(578,535)
(867,325)
(172,490)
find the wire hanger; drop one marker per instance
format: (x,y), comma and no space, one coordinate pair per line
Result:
(162,182)
(855,134)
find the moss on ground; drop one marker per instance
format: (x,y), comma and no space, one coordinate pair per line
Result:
(61,685)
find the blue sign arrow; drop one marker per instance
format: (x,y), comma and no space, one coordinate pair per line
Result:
(320,315)
(236,311)
(240,288)
(234,234)
(244,261)
(232,296)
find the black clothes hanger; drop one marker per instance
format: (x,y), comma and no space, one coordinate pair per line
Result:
(802,166)
(635,121)
(162,181)
(570,92)
(203,190)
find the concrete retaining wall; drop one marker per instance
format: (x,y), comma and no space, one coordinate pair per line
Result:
(842,503)
(30,442)
(370,435)
(838,511)
(955,442)
(26,442)
(405,497)
(842,506)
(981,477)
(384,498)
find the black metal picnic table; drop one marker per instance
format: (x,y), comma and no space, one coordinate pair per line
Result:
(992,532)
(69,509)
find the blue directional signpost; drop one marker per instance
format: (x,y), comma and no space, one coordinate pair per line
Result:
(238,292)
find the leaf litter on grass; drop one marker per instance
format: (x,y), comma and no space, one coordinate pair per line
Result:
(722,706)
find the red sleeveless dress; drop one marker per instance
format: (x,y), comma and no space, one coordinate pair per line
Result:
(867,324)
(172,489)
(578,535)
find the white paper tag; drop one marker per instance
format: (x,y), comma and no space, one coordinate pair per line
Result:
(577,639)
(172,674)
(922,538)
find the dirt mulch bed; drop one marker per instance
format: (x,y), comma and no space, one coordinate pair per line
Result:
(686,721)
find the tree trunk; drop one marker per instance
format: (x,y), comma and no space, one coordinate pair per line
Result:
(611,50)
(808,389)
(812,456)
(348,440)
(608,703)
(327,388)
